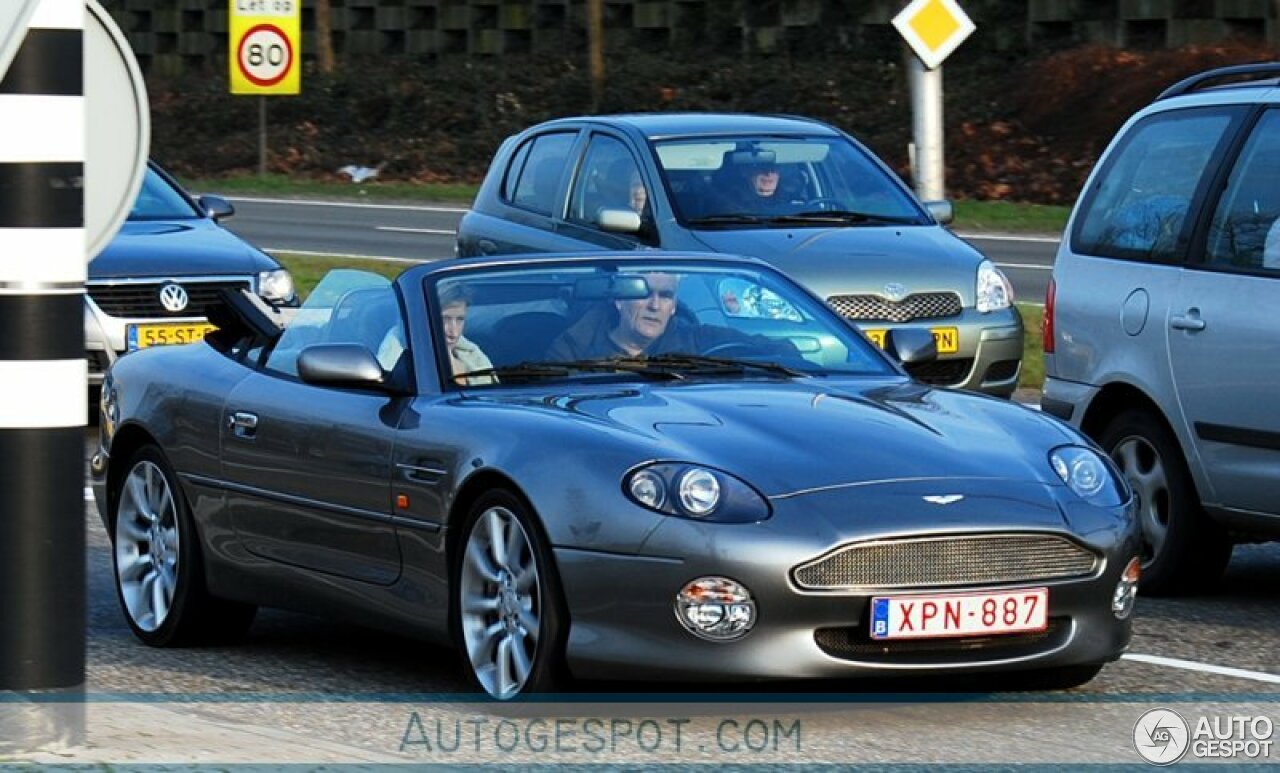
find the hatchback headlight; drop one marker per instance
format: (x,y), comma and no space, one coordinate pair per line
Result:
(994,290)
(276,286)
(1089,475)
(693,491)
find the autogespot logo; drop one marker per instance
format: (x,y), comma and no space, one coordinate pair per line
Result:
(1161,736)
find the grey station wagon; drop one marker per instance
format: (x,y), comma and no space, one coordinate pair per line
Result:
(1161,326)
(797,193)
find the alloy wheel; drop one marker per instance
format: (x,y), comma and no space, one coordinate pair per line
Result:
(1145,470)
(500,602)
(146,545)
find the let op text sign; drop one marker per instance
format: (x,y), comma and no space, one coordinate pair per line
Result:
(934,29)
(265,44)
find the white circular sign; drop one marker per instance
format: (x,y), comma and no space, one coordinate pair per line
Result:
(265,55)
(1161,736)
(119,137)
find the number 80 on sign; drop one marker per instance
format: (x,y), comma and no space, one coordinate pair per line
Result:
(265,55)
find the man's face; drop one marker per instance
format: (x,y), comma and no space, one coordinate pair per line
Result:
(455,318)
(645,319)
(765,181)
(639,196)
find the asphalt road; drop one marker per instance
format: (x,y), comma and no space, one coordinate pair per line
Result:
(426,232)
(1213,656)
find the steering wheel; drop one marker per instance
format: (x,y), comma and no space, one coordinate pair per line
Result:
(825,203)
(729,346)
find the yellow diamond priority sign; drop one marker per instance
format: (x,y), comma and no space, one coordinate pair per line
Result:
(933,29)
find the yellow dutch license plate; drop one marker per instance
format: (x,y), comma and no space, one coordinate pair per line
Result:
(947,338)
(164,334)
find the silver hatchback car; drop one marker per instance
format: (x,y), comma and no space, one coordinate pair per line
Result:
(1161,329)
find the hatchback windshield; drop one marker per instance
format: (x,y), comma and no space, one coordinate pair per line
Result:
(629,319)
(793,181)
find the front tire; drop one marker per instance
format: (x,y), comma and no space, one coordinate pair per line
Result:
(1183,550)
(508,612)
(158,567)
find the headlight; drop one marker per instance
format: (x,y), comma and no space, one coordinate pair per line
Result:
(693,491)
(1089,475)
(994,290)
(276,286)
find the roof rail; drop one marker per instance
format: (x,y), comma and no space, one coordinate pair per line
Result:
(1196,82)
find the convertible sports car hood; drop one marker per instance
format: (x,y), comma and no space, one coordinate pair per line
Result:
(789,436)
(859,259)
(172,248)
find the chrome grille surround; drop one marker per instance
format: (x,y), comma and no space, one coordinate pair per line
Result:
(917,306)
(942,561)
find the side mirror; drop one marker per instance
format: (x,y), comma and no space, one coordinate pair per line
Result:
(942,211)
(343,365)
(910,346)
(216,206)
(620,221)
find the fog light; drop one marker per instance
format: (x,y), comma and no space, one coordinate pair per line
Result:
(716,608)
(1126,590)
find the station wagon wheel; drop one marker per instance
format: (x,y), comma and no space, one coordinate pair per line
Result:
(507,605)
(1183,550)
(158,567)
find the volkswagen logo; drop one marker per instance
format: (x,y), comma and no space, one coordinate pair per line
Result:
(895,291)
(173,298)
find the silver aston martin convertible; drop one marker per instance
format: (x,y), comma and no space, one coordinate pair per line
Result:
(595,466)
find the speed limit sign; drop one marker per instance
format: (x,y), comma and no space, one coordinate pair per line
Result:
(264,46)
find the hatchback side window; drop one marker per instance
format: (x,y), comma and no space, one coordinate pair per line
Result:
(1138,207)
(536,187)
(609,179)
(1245,232)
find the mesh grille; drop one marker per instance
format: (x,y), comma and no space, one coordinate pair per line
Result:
(855,644)
(942,561)
(942,372)
(875,307)
(142,299)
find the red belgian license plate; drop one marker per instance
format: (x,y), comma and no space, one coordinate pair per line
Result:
(960,614)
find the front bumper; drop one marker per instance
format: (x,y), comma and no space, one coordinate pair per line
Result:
(989,358)
(624,619)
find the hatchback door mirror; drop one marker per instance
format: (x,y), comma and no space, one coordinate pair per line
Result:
(343,365)
(619,221)
(911,346)
(942,211)
(216,206)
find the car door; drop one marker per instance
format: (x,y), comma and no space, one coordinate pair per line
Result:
(529,209)
(308,467)
(609,178)
(1223,330)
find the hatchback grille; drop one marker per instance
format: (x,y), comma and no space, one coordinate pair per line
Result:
(942,372)
(929,562)
(855,644)
(875,307)
(142,299)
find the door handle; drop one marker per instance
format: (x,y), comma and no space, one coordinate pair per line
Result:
(243,424)
(1189,321)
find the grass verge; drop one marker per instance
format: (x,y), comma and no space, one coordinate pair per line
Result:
(1010,217)
(1032,355)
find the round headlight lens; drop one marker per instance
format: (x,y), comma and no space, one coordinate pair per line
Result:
(699,492)
(1089,475)
(649,489)
(716,608)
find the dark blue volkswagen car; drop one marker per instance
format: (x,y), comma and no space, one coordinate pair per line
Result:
(797,193)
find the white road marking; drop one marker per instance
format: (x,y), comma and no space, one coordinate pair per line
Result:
(1204,668)
(1035,266)
(438,231)
(310,254)
(1011,238)
(351,204)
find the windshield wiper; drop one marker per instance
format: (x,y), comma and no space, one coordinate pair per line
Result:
(843,217)
(728,219)
(532,371)
(699,362)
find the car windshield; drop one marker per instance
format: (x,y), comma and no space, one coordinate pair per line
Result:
(158,200)
(630,319)
(746,181)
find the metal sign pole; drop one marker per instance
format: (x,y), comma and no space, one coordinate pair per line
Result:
(262,136)
(926,129)
(43,373)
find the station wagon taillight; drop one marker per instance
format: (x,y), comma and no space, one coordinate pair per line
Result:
(1046,324)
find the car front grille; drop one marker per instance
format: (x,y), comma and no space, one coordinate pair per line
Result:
(879,308)
(142,299)
(853,643)
(932,562)
(942,372)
